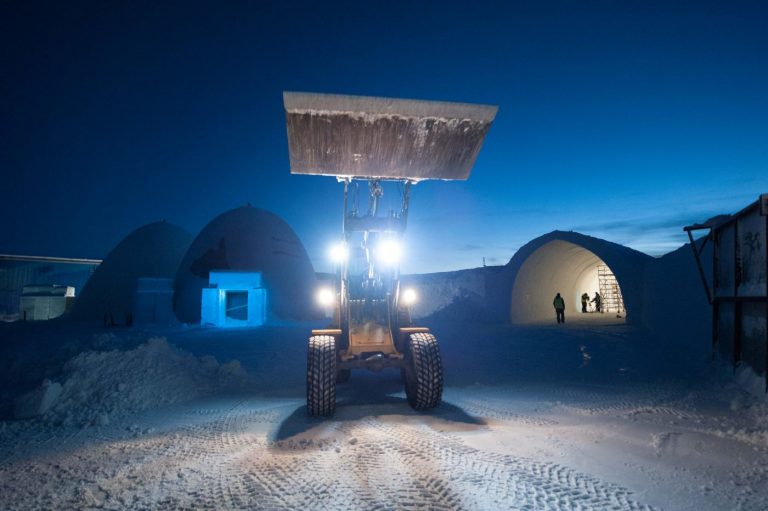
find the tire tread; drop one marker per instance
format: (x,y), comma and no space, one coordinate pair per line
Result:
(425,388)
(321,375)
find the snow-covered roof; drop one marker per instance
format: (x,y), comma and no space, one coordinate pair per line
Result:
(712,223)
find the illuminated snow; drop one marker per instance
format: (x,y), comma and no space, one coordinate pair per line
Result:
(588,415)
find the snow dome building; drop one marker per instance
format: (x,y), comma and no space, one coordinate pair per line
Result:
(571,264)
(259,247)
(114,291)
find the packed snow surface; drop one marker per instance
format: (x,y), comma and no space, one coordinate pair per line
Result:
(590,415)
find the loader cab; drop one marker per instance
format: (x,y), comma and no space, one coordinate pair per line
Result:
(368,294)
(368,273)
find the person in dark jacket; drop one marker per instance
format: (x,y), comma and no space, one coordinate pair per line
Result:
(598,301)
(584,302)
(559,304)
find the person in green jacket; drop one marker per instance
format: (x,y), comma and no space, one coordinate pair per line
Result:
(559,304)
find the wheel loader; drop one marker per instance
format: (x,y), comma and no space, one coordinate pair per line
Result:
(370,145)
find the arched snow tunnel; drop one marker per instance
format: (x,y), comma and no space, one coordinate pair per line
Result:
(568,269)
(571,264)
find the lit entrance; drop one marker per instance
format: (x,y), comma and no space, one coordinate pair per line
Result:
(232,299)
(571,270)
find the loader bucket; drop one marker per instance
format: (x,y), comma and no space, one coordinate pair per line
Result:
(369,137)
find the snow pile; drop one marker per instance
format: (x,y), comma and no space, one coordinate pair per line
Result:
(676,303)
(750,381)
(101,385)
(438,291)
(39,401)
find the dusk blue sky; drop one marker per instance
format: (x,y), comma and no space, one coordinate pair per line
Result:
(622,120)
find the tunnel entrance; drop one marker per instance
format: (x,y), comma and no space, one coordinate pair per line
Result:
(571,270)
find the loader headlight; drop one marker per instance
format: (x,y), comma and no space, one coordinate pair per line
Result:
(409,296)
(325,297)
(339,253)
(389,252)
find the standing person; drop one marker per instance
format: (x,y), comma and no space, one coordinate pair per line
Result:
(584,302)
(559,304)
(598,302)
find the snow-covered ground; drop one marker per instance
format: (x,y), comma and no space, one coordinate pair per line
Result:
(590,415)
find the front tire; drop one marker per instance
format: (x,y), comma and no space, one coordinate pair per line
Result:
(423,372)
(321,375)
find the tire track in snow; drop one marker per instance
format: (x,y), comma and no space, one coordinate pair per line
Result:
(517,482)
(227,461)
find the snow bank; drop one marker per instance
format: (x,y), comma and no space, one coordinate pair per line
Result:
(750,381)
(39,401)
(436,291)
(676,303)
(101,385)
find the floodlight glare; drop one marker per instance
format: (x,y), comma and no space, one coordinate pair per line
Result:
(389,252)
(325,297)
(339,253)
(409,297)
